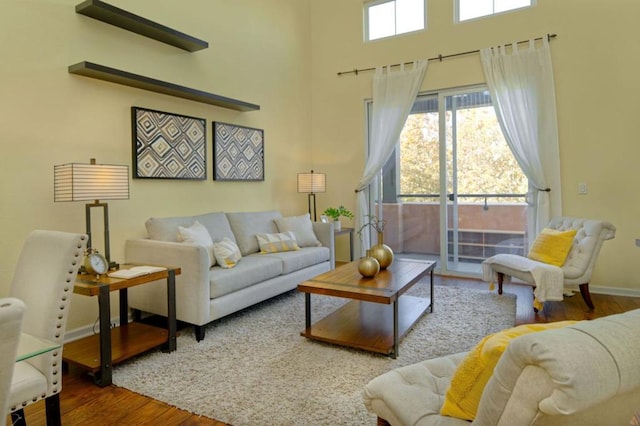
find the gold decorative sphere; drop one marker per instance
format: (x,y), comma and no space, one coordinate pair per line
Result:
(383,254)
(368,266)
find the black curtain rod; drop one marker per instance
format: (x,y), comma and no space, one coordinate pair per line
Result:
(439,57)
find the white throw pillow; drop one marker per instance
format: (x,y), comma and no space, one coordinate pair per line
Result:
(227,253)
(301,227)
(198,235)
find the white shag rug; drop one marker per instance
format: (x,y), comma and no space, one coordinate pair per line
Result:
(254,368)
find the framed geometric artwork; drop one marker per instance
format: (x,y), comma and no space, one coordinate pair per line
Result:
(168,146)
(238,152)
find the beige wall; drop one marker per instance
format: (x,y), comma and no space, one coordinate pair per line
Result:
(257,53)
(596,69)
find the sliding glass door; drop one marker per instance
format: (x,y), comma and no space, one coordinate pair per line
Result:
(452,190)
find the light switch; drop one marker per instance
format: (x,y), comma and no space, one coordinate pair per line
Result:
(582,188)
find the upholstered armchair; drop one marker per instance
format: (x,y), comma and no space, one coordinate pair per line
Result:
(582,374)
(11,312)
(548,280)
(44,278)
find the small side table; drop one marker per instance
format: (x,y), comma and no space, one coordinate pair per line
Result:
(344,231)
(98,353)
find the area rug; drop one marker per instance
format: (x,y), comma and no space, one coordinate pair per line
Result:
(254,368)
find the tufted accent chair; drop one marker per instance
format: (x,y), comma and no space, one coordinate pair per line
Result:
(11,313)
(582,257)
(44,278)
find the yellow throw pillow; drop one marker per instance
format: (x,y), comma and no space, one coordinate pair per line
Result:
(473,373)
(552,246)
(273,243)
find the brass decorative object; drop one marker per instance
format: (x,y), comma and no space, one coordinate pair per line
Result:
(382,252)
(368,266)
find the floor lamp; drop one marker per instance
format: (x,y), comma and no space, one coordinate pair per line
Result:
(312,183)
(85,182)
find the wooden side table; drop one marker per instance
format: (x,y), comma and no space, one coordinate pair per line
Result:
(344,231)
(98,353)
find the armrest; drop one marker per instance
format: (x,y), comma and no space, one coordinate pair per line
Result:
(324,232)
(192,285)
(566,370)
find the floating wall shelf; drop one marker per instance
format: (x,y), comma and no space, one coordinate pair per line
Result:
(121,18)
(101,72)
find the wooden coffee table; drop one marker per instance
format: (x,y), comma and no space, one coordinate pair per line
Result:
(379,314)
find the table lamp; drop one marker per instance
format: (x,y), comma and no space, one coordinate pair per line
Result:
(84,182)
(312,183)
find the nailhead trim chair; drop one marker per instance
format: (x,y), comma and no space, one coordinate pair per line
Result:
(582,257)
(11,313)
(44,278)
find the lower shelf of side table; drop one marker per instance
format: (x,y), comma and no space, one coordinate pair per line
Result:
(126,341)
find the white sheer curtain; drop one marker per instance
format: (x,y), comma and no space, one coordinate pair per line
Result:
(522,89)
(394,93)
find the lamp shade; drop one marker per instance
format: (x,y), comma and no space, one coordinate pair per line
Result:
(82,182)
(312,182)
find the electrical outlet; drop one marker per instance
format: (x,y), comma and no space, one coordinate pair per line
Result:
(582,188)
(637,242)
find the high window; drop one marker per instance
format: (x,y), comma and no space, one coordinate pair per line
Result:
(471,9)
(387,18)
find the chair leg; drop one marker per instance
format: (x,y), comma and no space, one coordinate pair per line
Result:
(584,291)
(500,279)
(17,418)
(52,409)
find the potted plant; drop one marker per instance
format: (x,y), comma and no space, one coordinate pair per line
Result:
(335,213)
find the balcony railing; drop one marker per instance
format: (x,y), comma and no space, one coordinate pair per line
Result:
(484,228)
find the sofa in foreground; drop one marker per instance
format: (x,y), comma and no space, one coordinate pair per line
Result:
(586,373)
(215,280)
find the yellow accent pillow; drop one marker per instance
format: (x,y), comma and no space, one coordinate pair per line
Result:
(473,373)
(552,246)
(274,243)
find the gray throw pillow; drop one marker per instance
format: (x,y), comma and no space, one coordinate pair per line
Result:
(302,227)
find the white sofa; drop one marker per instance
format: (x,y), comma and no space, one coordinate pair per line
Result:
(584,374)
(205,293)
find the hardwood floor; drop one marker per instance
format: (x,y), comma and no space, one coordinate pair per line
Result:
(84,403)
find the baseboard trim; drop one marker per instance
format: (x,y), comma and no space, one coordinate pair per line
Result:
(615,291)
(88,330)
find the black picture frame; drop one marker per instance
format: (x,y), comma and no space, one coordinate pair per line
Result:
(168,145)
(238,152)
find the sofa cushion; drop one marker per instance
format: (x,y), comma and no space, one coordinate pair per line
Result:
(166,228)
(470,378)
(246,225)
(295,260)
(302,227)
(274,243)
(217,225)
(197,235)
(251,270)
(552,246)
(227,253)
